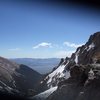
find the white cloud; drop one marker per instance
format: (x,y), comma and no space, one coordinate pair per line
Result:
(43,44)
(63,54)
(73,45)
(14,49)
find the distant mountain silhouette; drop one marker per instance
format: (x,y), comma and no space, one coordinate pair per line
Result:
(42,66)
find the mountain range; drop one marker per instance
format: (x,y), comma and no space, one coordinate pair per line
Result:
(77,77)
(42,66)
(74,78)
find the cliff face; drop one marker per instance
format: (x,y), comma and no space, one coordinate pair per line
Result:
(88,53)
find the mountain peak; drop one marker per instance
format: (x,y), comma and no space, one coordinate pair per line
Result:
(88,53)
(95,38)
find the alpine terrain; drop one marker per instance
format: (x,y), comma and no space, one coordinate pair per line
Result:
(18,79)
(77,77)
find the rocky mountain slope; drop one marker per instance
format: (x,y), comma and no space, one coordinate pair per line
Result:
(17,78)
(88,53)
(56,75)
(77,78)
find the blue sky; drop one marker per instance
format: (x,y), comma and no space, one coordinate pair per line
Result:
(39,30)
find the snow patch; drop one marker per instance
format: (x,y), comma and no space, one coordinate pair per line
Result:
(91,46)
(59,71)
(41,82)
(67,74)
(57,74)
(76,59)
(76,56)
(91,75)
(45,94)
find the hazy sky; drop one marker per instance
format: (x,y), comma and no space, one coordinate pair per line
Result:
(41,30)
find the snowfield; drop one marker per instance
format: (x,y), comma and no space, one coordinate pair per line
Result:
(57,74)
(45,94)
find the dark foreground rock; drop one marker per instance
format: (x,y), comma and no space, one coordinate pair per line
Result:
(79,87)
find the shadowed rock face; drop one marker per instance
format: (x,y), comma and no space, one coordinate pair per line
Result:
(88,53)
(84,80)
(17,79)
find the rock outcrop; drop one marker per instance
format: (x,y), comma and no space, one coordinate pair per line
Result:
(84,84)
(88,53)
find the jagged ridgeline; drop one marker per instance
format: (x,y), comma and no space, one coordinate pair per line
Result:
(77,77)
